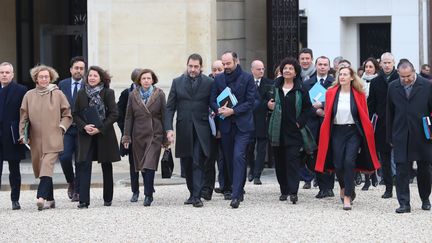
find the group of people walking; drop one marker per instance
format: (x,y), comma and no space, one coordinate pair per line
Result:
(334,135)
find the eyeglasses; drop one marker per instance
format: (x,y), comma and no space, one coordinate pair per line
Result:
(43,77)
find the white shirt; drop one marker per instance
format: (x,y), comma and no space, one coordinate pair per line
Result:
(343,113)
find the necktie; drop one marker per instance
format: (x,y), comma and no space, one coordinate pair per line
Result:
(75,90)
(322,81)
(408,91)
(257,83)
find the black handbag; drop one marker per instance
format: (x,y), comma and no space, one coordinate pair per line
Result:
(167,163)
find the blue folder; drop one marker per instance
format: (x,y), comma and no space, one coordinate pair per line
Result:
(317,93)
(426,125)
(226,97)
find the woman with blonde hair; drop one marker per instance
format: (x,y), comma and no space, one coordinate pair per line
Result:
(44,118)
(346,129)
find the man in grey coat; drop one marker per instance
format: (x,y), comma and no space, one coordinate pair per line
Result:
(409,99)
(189,97)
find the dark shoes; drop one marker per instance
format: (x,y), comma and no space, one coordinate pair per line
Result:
(235,203)
(16,205)
(403,209)
(75,197)
(148,200)
(320,194)
(358,178)
(227,196)
(325,193)
(107,204)
(330,193)
(189,201)
(257,181)
(83,205)
(307,185)
(197,203)
(70,190)
(374,180)
(218,190)
(250,177)
(206,195)
(426,205)
(134,197)
(293,198)
(283,197)
(387,194)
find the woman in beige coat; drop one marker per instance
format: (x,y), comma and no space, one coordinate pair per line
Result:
(143,128)
(45,116)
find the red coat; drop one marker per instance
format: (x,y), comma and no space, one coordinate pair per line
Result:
(367,159)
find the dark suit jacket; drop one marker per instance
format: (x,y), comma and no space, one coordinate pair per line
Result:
(192,107)
(377,101)
(11,117)
(404,120)
(261,111)
(107,146)
(65,86)
(244,89)
(315,121)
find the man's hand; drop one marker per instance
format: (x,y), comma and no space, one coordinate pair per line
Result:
(320,112)
(170,136)
(271,104)
(317,104)
(226,111)
(126,145)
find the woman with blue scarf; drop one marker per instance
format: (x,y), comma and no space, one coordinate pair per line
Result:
(94,114)
(143,128)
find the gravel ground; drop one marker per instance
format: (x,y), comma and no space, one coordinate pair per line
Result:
(260,218)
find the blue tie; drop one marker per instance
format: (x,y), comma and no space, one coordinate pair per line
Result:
(75,90)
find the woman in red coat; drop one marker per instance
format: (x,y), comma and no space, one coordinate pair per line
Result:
(345,131)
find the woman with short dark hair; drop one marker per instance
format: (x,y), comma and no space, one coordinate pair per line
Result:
(96,141)
(291,107)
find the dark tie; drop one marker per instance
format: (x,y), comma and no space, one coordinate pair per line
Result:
(257,83)
(408,91)
(322,81)
(75,90)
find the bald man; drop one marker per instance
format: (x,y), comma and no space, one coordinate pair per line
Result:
(261,112)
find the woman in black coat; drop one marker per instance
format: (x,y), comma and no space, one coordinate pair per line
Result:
(96,142)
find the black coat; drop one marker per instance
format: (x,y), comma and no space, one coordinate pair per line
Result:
(377,101)
(314,121)
(404,120)
(192,107)
(261,111)
(121,106)
(10,121)
(107,145)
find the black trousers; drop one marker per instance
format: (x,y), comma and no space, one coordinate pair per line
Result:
(403,171)
(194,168)
(346,141)
(210,169)
(45,188)
(14,177)
(134,176)
(386,170)
(148,176)
(84,170)
(325,181)
(256,156)
(287,165)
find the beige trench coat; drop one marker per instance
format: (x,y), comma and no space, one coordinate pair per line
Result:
(143,128)
(49,116)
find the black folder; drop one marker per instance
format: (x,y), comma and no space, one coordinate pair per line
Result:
(91,116)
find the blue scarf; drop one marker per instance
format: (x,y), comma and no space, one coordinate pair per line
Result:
(232,77)
(145,94)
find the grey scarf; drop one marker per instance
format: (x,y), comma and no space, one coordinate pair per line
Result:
(93,93)
(307,73)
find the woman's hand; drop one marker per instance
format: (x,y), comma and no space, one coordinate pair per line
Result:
(271,104)
(126,145)
(91,129)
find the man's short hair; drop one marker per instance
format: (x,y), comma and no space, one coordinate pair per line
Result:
(233,54)
(77,59)
(322,57)
(195,56)
(7,64)
(306,50)
(425,66)
(405,63)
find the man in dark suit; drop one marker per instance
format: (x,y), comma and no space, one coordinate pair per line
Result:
(70,87)
(259,137)
(189,97)
(121,106)
(377,101)
(11,95)
(237,125)
(322,64)
(409,99)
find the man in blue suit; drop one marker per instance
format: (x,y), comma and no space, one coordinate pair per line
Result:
(11,95)
(238,122)
(70,87)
